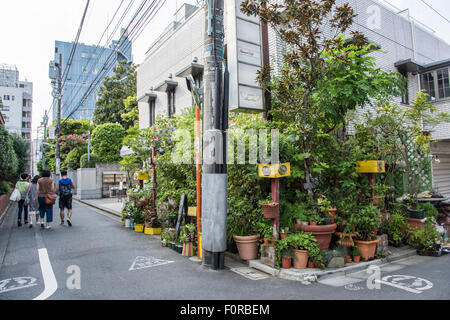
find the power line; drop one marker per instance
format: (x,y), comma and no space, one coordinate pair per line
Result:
(435,11)
(133,34)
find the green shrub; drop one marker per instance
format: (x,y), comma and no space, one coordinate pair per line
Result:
(5,187)
(8,157)
(430,211)
(92,162)
(107,141)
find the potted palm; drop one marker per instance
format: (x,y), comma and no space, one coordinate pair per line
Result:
(366,221)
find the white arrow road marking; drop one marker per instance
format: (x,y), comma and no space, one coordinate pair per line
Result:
(16,283)
(47,273)
(147,262)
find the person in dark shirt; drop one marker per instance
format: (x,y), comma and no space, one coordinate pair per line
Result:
(64,189)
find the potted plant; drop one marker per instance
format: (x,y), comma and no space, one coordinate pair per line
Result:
(154,225)
(138,220)
(165,237)
(284,232)
(355,255)
(426,240)
(415,212)
(271,209)
(366,221)
(242,227)
(286,259)
(302,244)
(188,240)
(265,230)
(397,229)
(322,233)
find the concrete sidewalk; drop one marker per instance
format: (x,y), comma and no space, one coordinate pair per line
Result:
(110,205)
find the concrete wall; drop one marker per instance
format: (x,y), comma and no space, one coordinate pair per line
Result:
(87,184)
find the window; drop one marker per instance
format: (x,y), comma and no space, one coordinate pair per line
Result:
(443,83)
(95,71)
(5,97)
(26,114)
(26,125)
(5,108)
(13,97)
(21,85)
(428,85)
(84,69)
(405,96)
(26,135)
(152,112)
(437,84)
(84,81)
(84,54)
(171,102)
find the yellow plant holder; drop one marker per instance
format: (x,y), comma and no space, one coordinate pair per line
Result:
(371,166)
(139,227)
(153,231)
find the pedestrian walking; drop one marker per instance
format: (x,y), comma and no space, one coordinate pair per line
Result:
(33,207)
(64,189)
(24,187)
(45,191)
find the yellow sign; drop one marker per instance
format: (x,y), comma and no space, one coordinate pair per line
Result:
(192,211)
(277,170)
(142,176)
(371,166)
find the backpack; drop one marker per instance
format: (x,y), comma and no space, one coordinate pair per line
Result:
(65,189)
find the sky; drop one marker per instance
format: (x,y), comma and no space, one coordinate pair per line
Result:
(29,29)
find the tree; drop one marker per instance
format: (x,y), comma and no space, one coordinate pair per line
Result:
(8,157)
(22,149)
(114,96)
(107,141)
(322,78)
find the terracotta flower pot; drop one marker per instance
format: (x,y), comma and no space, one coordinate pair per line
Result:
(415,223)
(266,240)
(286,262)
(311,265)
(313,223)
(301,259)
(366,248)
(344,239)
(284,235)
(332,214)
(348,259)
(322,234)
(247,247)
(356,259)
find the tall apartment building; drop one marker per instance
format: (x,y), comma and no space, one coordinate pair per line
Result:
(87,64)
(17,102)
(412,49)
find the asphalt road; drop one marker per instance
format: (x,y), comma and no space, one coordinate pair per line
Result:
(97,258)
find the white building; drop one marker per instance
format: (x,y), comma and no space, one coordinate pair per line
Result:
(17,99)
(412,49)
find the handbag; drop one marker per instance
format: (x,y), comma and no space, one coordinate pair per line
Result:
(15,195)
(50,198)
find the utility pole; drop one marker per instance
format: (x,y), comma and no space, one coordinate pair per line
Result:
(58,117)
(215,119)
(44,123)
(89,148)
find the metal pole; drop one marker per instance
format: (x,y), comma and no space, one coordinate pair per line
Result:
(45,140)
(214,177)
(89,149)
(58,118)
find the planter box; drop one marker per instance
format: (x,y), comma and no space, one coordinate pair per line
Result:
(152,230)
(139,227)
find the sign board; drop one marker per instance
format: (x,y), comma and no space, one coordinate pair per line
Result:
(371,166)
(244,53)
(51,132)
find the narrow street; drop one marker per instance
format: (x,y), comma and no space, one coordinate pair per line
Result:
(116,263)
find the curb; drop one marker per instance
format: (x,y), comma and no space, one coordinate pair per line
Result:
(307,276)
(99,208)
(5,231)
(3,214)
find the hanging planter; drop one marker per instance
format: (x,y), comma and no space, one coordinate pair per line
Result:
(271,210)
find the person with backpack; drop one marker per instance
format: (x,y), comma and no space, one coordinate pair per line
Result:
(24,187)
(64,188)
(46,198)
